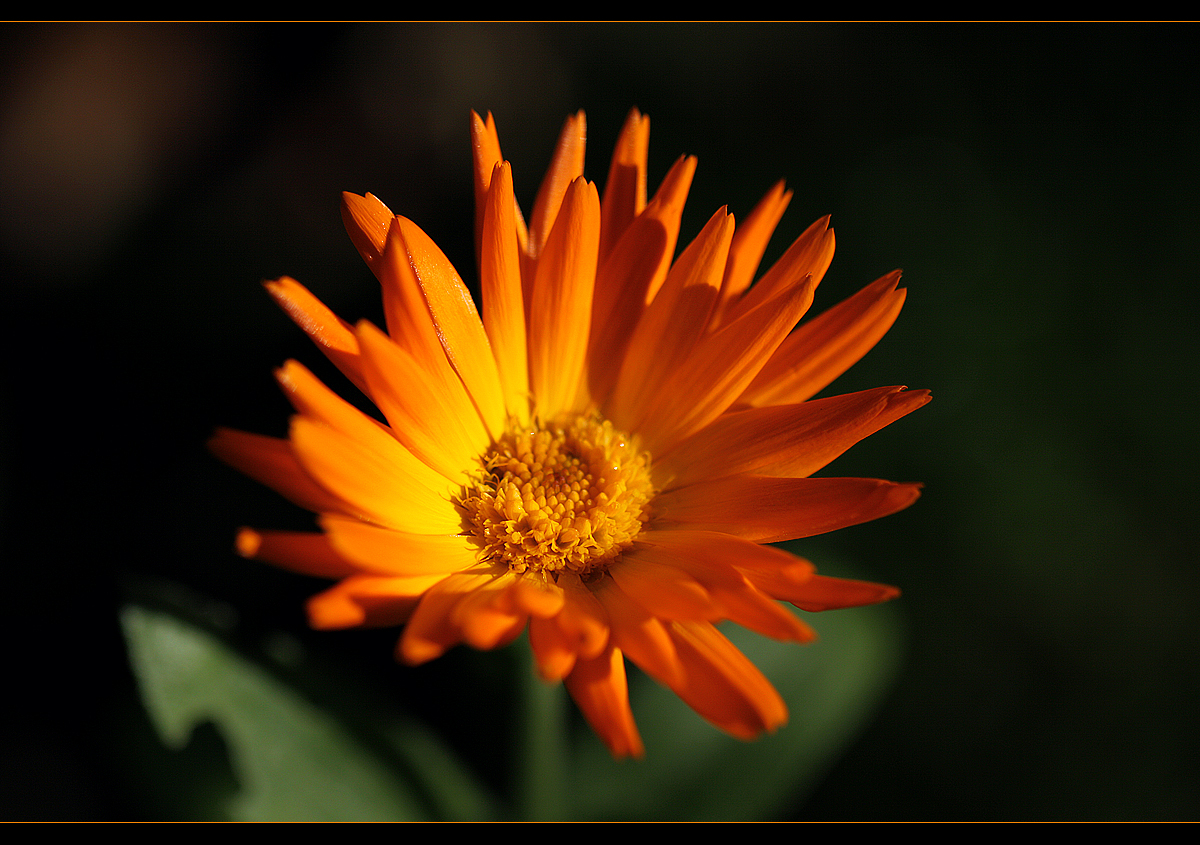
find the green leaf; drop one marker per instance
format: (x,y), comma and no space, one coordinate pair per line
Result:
(294,761)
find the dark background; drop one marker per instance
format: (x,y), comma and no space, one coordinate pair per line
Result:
(1037,183)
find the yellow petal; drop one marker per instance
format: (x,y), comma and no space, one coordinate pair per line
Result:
(373,488)
(386,551)
(428,407)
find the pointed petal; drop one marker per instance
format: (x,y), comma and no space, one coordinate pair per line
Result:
(722,685)
(376,490)
(369,601)
(810,255)
(717,372)
(272,461)
(385,551)
(330,333)
(456,322)
(625,190)
(560,314)
(565,168)
(428,407)
(503,298)
(601,691)
(823,348)
(366,220)
(769,510)
(631,275)
(824,593)
(673,323)
(300,551)
(713,560)
(784,440)
(750,242)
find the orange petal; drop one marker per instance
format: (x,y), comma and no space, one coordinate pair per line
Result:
(767,510)
(376,490)
(503,297)
(625,189)
(565,167)
(713,560)
(600,689)
(673,322)
(368,600)
(722,685)
(366,220)
(330,333)
(646,575)
(385,551)
(481,616)
(750,242)
(631,275)
(716,373)
(638,633)
(560,313)
(810,255)
(823,348)
(303,552)
(428,407)
(456,322)
(824,593)
(432,628)
(583,619)
(552,650)
(785,440)
(271,461)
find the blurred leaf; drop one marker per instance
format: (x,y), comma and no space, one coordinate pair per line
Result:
(694,772)
(294,761)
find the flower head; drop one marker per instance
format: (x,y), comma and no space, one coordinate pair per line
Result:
(600,456)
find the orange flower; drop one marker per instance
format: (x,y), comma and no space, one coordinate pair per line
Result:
(601,456)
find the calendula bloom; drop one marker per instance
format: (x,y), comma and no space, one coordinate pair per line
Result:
(601,455)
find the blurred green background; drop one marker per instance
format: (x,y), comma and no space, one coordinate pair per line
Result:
(1037,183)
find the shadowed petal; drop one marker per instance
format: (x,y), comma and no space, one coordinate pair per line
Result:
(768,510)
(602,694)
(562,301)
(825,347)
(784,440)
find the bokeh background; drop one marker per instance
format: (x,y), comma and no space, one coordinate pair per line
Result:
(1038,184)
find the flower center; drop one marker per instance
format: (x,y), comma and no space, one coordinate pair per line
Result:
(569,495)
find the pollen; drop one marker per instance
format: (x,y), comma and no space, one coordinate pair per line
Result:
(569,495)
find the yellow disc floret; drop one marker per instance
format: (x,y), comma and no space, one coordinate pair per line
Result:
(569,495)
